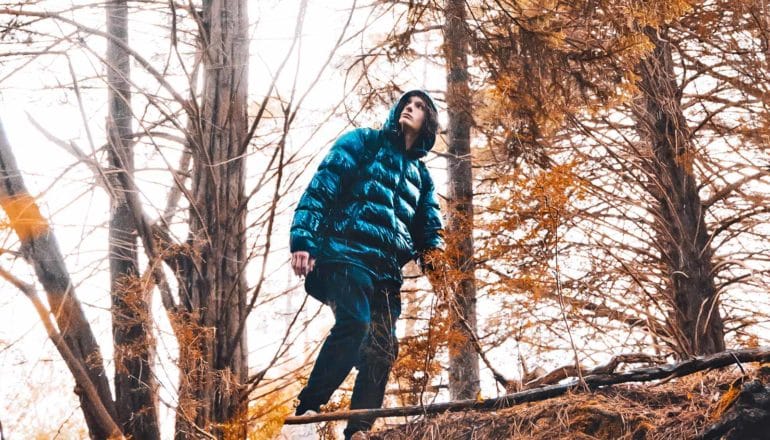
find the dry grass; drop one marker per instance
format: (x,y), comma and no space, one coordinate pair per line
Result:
(680,409)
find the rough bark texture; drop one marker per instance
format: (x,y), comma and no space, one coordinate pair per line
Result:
(748,417)
(41,249)
(682,236)
(463,362)
(213,362)
(135,385)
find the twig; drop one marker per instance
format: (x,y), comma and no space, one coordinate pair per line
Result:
(557,276)
(743,371)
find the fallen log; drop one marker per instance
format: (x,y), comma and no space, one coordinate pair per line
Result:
(592,382)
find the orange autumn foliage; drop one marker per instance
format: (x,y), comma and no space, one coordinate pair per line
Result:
(24,216)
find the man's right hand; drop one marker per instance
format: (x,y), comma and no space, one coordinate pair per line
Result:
(435,266)
(302,263)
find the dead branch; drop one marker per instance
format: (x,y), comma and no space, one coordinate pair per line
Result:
(592,381)
(76,367)
(567,371)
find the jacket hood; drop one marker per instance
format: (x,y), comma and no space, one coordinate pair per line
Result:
(392,129)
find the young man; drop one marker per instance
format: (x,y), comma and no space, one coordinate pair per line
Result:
(370,208)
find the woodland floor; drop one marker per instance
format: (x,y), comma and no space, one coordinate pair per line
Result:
(678,409)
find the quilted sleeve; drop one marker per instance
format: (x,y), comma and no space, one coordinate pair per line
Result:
(324,190)
(427,226)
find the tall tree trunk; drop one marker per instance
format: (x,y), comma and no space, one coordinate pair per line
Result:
(41,249)
(463,360)
(681,235)
(135,385)
(213,359)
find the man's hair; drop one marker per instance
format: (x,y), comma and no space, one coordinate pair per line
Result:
(430,123)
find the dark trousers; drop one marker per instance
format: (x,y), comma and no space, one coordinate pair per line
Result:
(363,335)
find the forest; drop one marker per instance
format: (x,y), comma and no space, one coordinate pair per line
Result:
(603,174)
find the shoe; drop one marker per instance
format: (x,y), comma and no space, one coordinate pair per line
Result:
(307,431)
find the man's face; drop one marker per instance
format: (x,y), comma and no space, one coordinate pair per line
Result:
(413,115)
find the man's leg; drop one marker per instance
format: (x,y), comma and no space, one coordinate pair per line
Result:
(348,292)
(378,353)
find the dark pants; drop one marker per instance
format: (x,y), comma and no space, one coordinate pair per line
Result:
(363,335)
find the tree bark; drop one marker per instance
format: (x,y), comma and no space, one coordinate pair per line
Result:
(747,416)
(135,385)
(213,359)
(681,234)
(41,249)
(463,362)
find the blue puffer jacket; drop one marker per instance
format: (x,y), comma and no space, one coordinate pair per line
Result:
(371,203)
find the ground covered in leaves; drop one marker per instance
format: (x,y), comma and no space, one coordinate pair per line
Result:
(683,408)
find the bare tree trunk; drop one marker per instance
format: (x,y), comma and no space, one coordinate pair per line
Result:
(135,386)
(41,249)
(463,362)
(213,359)
(682,237)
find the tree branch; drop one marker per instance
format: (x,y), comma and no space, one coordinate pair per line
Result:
(75,366)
